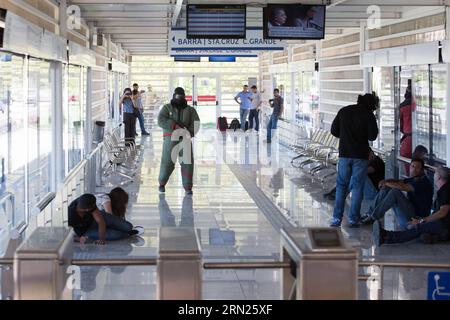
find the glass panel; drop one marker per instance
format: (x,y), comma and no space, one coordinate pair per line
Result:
(439,82)
(383,85)
(13,139)
(206,99)
(74,118)
(111,94)
(283,83)
(39,130)
(421,113)
(307,99)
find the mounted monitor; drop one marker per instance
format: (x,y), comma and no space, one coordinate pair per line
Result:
(294,21)
(216,21)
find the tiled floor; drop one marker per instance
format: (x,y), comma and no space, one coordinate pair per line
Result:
(243,193)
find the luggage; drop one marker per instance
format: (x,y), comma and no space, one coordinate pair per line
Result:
(222,124)
(235,124)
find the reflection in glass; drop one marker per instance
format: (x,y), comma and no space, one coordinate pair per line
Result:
(13,139)
(306,95)
(39,130)
(421,115)
(439,116)
(383,85)
(75,117)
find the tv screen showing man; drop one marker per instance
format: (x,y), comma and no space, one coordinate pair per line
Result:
(291,21)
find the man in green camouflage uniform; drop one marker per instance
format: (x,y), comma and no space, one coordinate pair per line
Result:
(174,116)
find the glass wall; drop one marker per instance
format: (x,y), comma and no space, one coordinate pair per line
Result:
(13,136)
(421,112)
(383,85)
(283,82)
(74,117)
(439,112)
(39,130)
(306,99)
(157,70)
(419,120)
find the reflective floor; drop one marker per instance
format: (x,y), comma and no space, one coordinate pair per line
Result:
(244,192)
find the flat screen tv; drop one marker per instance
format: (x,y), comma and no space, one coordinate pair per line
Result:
(216,21)
(294,21)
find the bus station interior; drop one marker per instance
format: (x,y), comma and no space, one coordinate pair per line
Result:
(61,76)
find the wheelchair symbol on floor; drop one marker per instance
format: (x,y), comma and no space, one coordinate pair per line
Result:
(439,286)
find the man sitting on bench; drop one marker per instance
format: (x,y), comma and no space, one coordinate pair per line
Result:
(417,203)
(431,228)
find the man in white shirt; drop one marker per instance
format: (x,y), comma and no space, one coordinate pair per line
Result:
(255,108)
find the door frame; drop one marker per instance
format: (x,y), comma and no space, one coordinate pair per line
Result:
(195,76)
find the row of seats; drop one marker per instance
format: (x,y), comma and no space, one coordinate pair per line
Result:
(317,156)
(123,157)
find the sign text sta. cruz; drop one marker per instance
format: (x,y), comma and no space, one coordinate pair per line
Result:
(253,42)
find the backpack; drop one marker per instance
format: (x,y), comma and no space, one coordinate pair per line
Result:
(235,124)
(222,124)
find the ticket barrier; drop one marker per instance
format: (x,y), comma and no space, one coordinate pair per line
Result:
(44,269)
(41,263)
(323,265)
(179,264)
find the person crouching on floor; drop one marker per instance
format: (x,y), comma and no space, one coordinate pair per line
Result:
(89,222)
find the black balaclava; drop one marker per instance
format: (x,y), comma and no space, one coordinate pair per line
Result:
(179,98)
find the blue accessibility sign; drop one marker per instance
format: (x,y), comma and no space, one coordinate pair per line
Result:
(439,286)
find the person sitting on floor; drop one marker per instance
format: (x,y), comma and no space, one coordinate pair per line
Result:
(417,203)
(114,202)
(375,174)
(431,228)
(89,222)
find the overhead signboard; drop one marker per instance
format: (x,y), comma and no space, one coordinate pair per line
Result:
(179,44)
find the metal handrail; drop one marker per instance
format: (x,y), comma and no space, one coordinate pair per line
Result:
(116,262)
(43,203)
(247,265)
(75,171)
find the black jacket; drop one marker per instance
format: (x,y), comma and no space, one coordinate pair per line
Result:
(354,125)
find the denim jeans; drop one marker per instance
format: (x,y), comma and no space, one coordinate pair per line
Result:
(389,198)
(434,227)
(254,114)
(355,170)
(244,116)
(141,121)
(370,192)
(273,122)
(116,228)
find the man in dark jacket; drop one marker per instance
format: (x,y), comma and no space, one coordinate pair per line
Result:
(177,118)
(354,125)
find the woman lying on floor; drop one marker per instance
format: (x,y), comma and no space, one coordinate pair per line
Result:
(91,223)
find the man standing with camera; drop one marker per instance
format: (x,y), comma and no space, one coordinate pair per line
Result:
(354,125)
